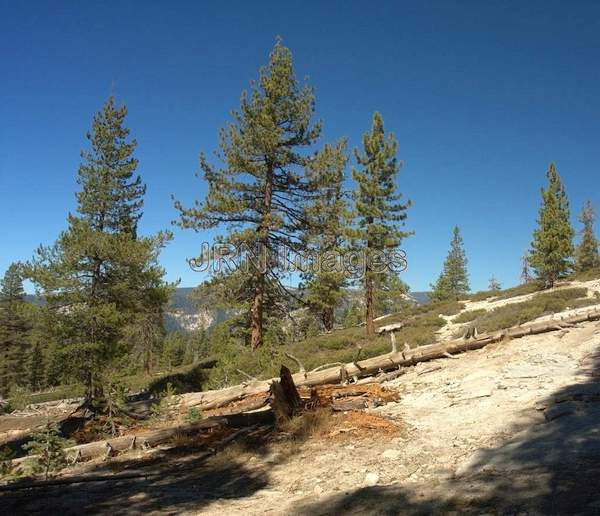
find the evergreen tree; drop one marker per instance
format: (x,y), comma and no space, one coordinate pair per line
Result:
(47,448)
(525,265)
(14,329)
(100,277)
(378,208)
(392,296)
(259,194)
(329,217)
(453,281)
(586,254)
(552,246)
(494,285)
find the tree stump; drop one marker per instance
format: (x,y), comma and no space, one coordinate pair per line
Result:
(284,399)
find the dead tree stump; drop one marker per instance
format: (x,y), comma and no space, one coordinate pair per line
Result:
(284,398)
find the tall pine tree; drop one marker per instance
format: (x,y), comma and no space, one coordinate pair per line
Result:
(453,281)
(586,254)
(378,208)
(14,330)
(552,246)
(99,277)
(259,194)
(329,218)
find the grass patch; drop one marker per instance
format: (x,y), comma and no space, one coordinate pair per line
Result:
(519,290)
(469,315)
(317,422)
(543,304)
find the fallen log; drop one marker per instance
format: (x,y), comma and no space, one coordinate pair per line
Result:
(349,404)
(154,437)
(79,479)
(382,363)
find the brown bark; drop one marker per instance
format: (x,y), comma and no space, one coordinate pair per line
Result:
(369,308)
(328,318)
(256,314)
(284,400)
(256,311)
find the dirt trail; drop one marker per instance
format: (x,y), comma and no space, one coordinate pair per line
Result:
(512,427)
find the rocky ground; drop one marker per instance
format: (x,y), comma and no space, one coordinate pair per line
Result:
(513,428)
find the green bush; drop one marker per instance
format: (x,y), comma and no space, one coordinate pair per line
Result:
(47,451)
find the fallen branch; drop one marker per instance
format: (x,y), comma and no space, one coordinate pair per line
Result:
(251,378)
(390,328)
(298,363)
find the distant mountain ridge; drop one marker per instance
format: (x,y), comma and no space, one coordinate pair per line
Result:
(185,314)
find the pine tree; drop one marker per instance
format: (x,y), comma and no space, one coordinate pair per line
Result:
(552,246)
(586,254)
(325,235)
(100,276)
(259,194)
(380,214)
(47,449)
(14,329)
(525,265)
(494,285)
(392,296)
(453,281)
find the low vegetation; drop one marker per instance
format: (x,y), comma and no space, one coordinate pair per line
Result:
(520,290)
(518,313)
(469,315)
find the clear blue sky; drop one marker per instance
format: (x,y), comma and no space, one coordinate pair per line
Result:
(481,95)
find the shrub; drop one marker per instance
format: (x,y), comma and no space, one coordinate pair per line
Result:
(6,455)
(164,405)
(192,415)
(19,398)
(469,316)
(47,449)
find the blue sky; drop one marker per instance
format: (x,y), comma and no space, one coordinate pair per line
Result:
(481,96)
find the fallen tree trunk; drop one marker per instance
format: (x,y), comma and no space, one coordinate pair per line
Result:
(381,363)
(154,437)
(20,485)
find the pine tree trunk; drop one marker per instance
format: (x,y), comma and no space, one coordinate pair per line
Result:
(256,312)
(256,315)
(369,309)
(328,318)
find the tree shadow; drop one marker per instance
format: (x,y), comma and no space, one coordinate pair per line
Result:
(550,467)
(175,480)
